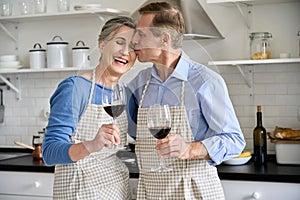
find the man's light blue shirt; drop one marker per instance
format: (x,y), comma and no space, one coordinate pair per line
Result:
(209,108)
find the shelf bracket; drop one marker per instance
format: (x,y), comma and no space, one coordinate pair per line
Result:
(247,77)
(245,16)
(7,32)
(9,84)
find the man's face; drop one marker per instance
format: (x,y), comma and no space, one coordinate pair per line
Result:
(146,45)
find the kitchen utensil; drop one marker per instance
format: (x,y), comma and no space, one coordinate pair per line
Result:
(37,57)
(80,55)
(24,145)
(37,149)
(1,107)
(57,53)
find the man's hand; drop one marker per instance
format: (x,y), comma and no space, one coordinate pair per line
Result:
(174,146)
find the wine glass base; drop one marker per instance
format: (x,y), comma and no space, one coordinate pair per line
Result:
(117,147)
(161,169)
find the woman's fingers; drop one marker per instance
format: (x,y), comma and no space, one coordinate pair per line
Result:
(111,132)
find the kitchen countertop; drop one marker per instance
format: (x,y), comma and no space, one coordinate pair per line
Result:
(273,172)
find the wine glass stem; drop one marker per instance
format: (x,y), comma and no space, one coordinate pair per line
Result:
(114,146)
(161,162)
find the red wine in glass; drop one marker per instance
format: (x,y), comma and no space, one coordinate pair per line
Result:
(114,104)
(114,110)
(160,132)
(159,123)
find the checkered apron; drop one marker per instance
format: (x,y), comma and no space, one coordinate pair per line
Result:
(101,175)
(189,179)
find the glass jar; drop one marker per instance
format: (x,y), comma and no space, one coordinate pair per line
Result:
(260,45)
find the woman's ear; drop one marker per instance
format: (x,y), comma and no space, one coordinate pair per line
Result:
(101,46)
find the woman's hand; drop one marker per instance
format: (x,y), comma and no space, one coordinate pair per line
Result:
(108,134)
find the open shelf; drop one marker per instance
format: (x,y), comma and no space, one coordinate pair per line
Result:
(255,62)
(19,71)
(60,15)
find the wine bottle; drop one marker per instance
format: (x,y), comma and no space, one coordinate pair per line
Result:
(259,141)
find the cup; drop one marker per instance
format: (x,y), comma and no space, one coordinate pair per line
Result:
(63,5)
(25,7)
(40,6)
(284,55)
(6,8)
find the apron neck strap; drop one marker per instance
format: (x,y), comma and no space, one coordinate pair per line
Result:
(93,85)
(146,87)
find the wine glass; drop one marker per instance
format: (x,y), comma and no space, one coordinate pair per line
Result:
(159,123)
(114,104)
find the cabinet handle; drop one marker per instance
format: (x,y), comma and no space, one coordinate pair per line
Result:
(255,195)
(37,184)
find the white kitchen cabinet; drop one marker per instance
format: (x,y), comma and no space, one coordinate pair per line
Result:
(26,185)
(254,190)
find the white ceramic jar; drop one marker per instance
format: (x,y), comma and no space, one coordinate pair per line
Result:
(37,57)
(80,54)
(57,53)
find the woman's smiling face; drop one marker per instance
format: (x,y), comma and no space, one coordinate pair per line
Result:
(117,55)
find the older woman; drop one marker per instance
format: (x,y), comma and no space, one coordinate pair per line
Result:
(79,131)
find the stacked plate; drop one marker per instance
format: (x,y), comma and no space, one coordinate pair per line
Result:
(9,62)
(88,7)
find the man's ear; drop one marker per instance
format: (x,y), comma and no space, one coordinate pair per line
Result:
(166,38)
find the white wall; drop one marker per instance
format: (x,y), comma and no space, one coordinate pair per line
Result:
(276,87)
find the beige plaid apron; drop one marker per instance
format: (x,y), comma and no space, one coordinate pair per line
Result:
(190,179)
(101,175)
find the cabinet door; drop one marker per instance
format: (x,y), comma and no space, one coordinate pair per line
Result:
(26,184)
(13,197)
(251,190)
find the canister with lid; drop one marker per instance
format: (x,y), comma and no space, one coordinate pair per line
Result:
(260,45)
(80,55)
(57,53)
(37,57)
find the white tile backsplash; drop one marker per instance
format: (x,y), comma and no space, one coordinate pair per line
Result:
(280,100)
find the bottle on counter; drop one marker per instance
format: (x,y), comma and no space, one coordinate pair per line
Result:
(259,141)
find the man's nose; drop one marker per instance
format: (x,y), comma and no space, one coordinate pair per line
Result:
(135,39)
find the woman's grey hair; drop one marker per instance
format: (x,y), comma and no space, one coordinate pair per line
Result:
(113,25)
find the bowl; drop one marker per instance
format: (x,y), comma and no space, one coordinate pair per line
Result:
(237,161)
(9,64)
(8,58)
